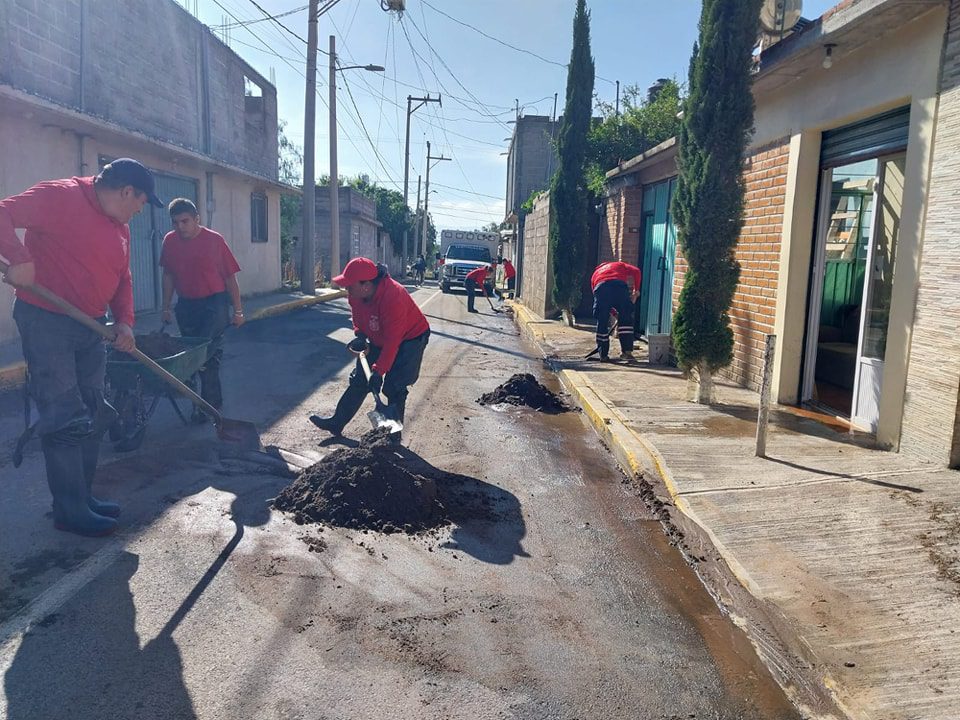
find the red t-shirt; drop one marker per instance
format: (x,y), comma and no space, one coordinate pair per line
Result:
(388,318)
(630,274)
(479,276)
(509,271)
(199,266)
(80,253)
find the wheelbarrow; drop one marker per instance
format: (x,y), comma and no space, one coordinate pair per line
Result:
(135,391)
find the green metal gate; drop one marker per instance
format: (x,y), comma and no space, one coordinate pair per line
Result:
(655,310)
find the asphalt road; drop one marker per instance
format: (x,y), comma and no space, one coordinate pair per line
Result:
(568,603)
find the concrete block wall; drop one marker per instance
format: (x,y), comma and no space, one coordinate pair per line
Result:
(537,292)
(139,64)
(931,414)
(753,310)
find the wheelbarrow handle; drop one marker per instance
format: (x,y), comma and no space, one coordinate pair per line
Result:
(111,335)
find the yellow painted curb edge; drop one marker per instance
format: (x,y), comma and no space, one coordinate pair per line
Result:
(291,305)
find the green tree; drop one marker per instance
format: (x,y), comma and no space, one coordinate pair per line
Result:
(643,123)
(392,212)
(708,207)
(569,196)
(290,172)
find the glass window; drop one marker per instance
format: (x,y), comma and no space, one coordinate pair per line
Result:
(258,218)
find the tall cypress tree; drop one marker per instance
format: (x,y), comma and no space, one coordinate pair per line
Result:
(568,190)
(708,206)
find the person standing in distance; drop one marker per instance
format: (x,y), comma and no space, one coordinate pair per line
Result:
(198,264)
(77,245)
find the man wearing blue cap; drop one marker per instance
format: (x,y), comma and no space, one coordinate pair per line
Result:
(77,245)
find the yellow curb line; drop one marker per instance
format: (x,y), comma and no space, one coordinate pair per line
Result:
(291,305)
(15,374)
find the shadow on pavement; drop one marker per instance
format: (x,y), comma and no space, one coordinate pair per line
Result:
(85,661)
(488,523)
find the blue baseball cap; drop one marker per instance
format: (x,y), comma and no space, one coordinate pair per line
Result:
(127,171)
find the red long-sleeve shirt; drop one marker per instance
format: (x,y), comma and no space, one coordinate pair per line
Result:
(479,275)
(509,271)
(80,253)
(388,318)
(630,274)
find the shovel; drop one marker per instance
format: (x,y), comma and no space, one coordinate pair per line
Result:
(237,432)
(378,416)
(490,302)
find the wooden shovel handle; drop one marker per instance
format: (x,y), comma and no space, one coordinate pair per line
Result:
(110,335)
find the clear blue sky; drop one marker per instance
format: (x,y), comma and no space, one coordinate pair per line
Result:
(633,41)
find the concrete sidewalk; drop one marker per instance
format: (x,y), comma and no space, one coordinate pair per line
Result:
(841,562)
(258,307)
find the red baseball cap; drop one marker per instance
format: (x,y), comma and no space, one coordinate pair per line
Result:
(357,270)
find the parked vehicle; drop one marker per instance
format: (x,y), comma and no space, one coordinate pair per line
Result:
(461,252)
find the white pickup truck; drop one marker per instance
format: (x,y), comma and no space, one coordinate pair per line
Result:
(462,251)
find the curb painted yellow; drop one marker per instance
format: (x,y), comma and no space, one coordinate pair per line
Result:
(15,374)
(292,305)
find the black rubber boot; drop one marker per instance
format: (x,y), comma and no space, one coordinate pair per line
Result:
(71,510)
(347,407)
(90,450)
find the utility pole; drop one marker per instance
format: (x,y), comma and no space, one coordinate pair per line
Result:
(618,99)
(416,215)
(406,163)
(307,256)
(334,179)
(426,198)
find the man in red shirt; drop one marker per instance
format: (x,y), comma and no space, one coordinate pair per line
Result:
(77,245)
(615,285)
(480,277)
(198,264)
(510,274)
(385,315)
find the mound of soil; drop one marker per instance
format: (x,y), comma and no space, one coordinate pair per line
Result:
(370,487)
(524,389)
(154,345)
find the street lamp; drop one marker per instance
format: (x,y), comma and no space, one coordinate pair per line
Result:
(334,181)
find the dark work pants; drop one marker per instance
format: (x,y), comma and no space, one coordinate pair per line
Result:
(404,372)
(207,317)
(613,294)
(66,363)
(471,287)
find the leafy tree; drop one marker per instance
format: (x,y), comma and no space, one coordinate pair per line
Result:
(290,172)
(392,212)
(568,192)
(644,123)
(709,203)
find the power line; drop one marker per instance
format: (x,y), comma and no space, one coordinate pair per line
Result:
(265,19)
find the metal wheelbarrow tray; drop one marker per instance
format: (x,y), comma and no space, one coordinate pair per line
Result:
(135,392)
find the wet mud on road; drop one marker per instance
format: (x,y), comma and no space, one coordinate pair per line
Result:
(549,591)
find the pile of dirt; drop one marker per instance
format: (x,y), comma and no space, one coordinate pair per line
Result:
(370,487)
(524,389)
(155,346)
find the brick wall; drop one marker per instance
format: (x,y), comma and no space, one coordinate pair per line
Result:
(620,232)
(758,251)
(138,63)
(537,289)
(931,421)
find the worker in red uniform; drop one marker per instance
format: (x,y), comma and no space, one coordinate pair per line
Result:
(480,277)
(198,264)
(77,245)
(510,274)
(389,326)
(615,285)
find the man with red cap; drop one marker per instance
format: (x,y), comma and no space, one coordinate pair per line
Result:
(77,245)
(393,332)
(615,285)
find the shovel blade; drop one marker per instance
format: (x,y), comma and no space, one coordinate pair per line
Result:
(379,420)
(239,432)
